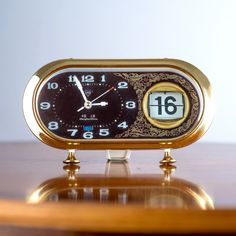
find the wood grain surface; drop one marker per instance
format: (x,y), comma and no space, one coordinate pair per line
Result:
(149,204)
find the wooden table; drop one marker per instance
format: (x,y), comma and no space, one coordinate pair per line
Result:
(39,197)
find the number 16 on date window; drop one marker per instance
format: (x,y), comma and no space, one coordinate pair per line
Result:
(166,105)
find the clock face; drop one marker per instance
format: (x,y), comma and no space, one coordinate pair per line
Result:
(86,105)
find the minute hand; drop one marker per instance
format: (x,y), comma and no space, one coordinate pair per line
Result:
(79,85)
(95,99)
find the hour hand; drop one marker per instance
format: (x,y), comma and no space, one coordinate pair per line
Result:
(79,85)
(102,104)
(88,105)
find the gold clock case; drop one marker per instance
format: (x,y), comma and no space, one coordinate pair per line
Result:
(202,123)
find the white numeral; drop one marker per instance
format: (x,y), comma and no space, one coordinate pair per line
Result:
(103,77)
(72,78)
(123,125)
(53,85)
(88,135)
(87,78)
(130,105)
(44,105)
(104,132)
(53,125)
(122,85)
(73,132)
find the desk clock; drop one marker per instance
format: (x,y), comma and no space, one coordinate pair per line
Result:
(118,104)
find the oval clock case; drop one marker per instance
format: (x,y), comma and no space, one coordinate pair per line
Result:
(118,104)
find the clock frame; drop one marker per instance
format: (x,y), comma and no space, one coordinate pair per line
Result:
(192,84)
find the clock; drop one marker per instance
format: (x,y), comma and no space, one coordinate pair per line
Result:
(118,104)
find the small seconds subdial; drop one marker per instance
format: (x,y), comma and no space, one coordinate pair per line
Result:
(80,105)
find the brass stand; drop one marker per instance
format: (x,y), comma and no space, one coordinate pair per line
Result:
(167,159)
(71,158)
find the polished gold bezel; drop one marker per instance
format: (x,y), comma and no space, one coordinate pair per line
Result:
(170,87)
(200,80)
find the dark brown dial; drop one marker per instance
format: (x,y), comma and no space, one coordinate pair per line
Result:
(86,105)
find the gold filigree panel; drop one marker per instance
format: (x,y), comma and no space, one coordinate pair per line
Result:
(141,82)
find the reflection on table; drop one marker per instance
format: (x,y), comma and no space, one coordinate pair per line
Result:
(118,186)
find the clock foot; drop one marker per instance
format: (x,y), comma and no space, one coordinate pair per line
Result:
(71,158)
(167,159)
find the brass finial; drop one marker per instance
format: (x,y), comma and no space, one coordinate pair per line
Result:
(167,159)
(71,158)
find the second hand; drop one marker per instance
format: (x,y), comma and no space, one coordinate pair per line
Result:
(102,94)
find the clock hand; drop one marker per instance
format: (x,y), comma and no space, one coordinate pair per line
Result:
(100,104)
(103,104)
(79,85)
(81,108)
(102,94)
(90,104)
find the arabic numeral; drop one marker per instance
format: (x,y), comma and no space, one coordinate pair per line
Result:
(53,85)
(122,85)
(104,132)
(73,132)
(44,105)
(123,125)
(88,135)
(103,78)
(72,78)
(53,125)
(130,105)
(87,78)
(170,107)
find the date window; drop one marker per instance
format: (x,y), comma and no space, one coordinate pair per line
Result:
(166,105)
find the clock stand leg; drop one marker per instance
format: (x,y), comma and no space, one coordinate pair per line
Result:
(118,155)
(71,158)
(167,159)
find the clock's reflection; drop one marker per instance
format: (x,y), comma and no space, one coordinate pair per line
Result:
(118,186)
